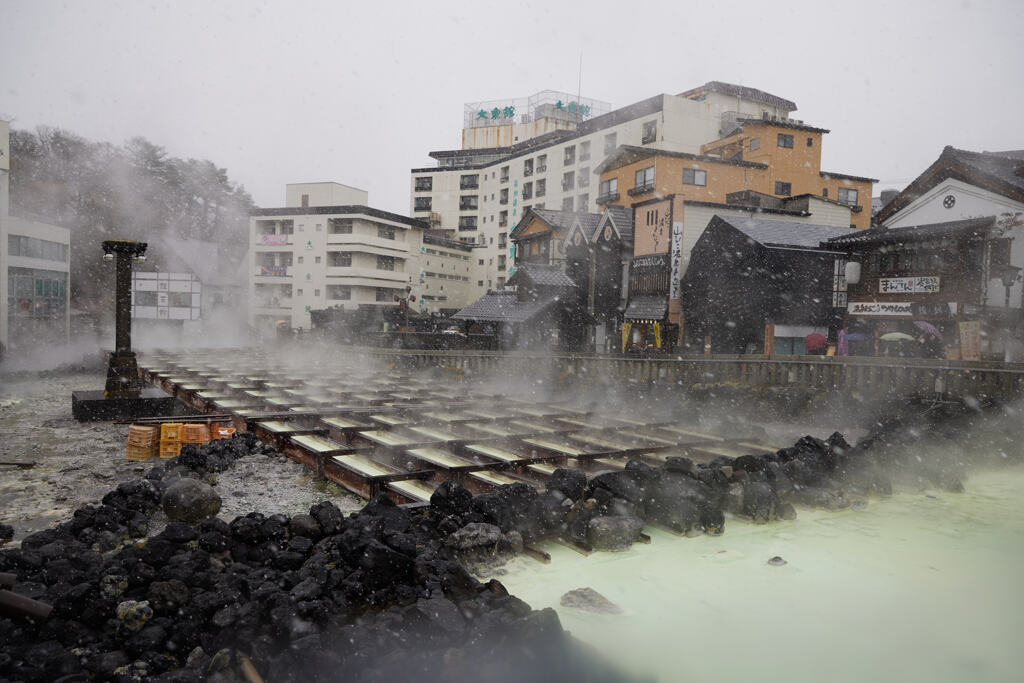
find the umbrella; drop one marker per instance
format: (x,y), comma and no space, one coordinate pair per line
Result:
(896,336)
(928,327)
(815,341)
(855,336)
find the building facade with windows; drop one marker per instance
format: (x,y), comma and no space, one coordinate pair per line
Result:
(305,258)
(545,158)
(35,281)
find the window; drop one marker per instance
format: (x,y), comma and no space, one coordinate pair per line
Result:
(503,219)
(609,190)
(316,292)
(341,259)
(385,232)
(692,176)
(782,189)
(298,292)
(501,282)
(318,259)
(469,202)
(339,292)
(527,190)
(998,256)
(384,294)
(785,141)
(542,163)
(480,283)
(503,197)
(385,263)
(568,180)
(319,227)
(301,258)
(570,155)
(644,181)
(287,227)
(305,201)
(585,150)
(584,177)
(423,203)
(424,184)
(847,196)
(526,207)
(467,222)
(582,201)
(469,182)
(824,192)
(343,226)
(504,174)
(501,240)
(609,143)
(528,167)
(810,142)
(650,132)
(480,262)
(755,144)
(567,204)
(542,187)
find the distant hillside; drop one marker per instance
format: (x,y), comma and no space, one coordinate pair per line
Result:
(134,191)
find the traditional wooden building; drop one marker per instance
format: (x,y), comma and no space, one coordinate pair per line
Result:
(946,285)
(758,285)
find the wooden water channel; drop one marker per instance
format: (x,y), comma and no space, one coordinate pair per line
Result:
(850,374)
(397,433)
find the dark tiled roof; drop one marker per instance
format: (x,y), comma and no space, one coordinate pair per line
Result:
(747,207)
(545,276)
(998,172)
(971,227)
(352,209)
(784,123)
(503,307)
(1003,166)
(646,307)
(743,91)
(784,233)
(622,217)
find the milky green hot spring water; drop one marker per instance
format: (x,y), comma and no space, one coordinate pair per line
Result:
(916,587)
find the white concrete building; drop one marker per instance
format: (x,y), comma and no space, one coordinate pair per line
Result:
(305,258)
(35,281)
(546,159)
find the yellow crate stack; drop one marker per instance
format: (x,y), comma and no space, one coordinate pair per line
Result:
(143,442)
(170,439)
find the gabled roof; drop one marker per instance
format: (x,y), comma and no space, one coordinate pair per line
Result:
(621,219)
(504,307)
(998,172)
(971,227)
(628,154)
(783,233)
(559,221)
(741,91)
(541,275)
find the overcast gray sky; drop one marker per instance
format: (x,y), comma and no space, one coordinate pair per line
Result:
(359,93)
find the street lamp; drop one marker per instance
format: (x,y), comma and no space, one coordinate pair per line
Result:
(1008,275)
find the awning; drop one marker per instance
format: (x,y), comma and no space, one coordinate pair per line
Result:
(503,306)
(647,307)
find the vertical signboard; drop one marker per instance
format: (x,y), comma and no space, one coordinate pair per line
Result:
(676,258)
(970,340)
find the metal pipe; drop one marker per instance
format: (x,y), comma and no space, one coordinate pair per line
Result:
(14,605)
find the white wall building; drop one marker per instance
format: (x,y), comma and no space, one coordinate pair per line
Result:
(478,194)
(305,258)
(35,280)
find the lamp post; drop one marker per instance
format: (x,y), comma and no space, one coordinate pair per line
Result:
(122,370)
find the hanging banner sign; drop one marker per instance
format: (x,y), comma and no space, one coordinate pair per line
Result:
(273,240)
(909,285)
(970,340)
(901,308)
(676,260)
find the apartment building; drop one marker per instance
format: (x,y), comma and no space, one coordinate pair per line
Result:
(328,248)
(546,158)
(35,280)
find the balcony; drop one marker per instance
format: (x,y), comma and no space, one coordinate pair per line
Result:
(641,189)
(608,198)
(567,185)
(274,240)
(274,271)
(541,169)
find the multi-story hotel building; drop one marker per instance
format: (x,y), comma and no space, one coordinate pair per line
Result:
(328,248)
(542,153)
